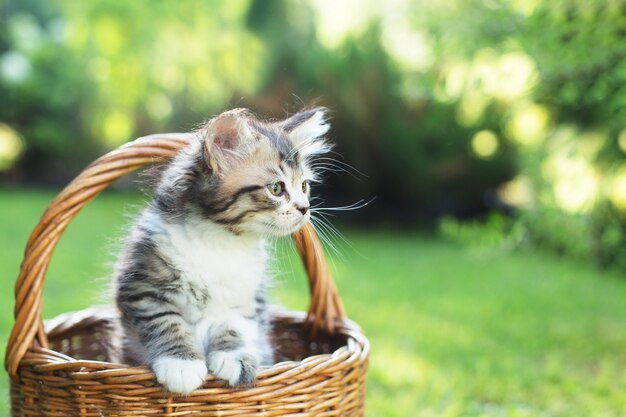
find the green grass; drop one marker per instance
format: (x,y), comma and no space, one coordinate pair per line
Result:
(454,331)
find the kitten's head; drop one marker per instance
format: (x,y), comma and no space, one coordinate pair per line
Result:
(253,176)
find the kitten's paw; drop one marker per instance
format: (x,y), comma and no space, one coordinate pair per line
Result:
(180,376)
(237,368)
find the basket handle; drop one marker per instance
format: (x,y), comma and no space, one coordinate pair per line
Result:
(325,309)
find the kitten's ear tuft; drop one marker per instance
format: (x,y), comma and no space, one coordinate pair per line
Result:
(223,136)
(306,130)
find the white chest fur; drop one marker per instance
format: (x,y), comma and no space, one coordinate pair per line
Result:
(213,261)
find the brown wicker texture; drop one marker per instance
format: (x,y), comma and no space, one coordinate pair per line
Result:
(60,368)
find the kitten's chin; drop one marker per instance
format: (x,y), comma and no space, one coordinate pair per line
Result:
(278,230)
(286,231)
(292,230)
(299,225)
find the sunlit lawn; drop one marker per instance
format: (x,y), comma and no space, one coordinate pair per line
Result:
(454,331)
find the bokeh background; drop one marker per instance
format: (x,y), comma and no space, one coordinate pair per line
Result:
(488,271)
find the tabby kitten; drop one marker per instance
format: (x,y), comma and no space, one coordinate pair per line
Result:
(190,283)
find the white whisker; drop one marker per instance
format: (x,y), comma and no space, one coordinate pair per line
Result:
(346,167)
(354,206)
(333,231)
(326,237)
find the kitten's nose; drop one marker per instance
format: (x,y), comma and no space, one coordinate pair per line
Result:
(303,209)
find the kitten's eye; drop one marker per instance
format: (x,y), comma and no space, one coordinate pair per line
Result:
(276,188)
(305,186)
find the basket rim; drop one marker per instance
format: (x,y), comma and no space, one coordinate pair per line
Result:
(86,372)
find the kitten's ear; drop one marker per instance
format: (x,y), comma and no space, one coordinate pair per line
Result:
(224,136)
(306,130)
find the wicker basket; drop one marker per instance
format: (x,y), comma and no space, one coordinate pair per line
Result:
(61,368)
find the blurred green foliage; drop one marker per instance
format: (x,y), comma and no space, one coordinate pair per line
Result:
(455,107)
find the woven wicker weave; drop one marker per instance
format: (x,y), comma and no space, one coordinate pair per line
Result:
(60,368)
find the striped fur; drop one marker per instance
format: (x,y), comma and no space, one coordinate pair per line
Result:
(190,283)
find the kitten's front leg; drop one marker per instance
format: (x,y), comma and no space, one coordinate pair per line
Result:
(181,376)
(177,363)
(237,367)
(233,352)
(171,350)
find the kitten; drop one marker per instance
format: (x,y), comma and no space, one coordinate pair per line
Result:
(190,283)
